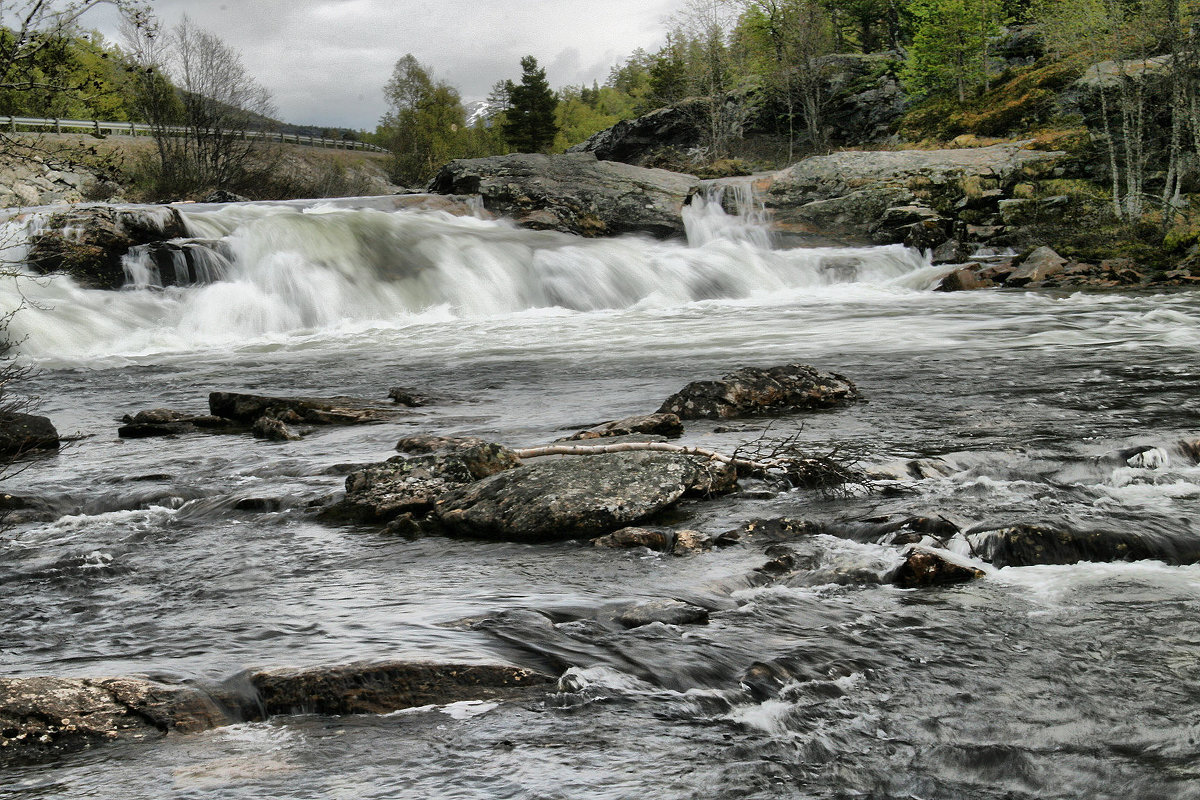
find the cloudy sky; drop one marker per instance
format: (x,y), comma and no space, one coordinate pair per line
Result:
(326,61)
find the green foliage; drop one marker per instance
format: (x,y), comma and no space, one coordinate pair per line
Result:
(582,112)
(948,54)
(529,125)
(79,76)
(425,125)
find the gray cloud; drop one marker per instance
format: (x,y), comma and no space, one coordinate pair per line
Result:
(325,61)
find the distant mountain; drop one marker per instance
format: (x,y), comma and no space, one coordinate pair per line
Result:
(477,110)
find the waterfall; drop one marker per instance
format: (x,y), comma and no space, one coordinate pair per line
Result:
(266,270)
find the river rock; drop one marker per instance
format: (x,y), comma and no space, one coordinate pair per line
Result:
(89,242)
(578,496)
(46,716)
(1037,266)
(1026,545)
(24,433)
(668,612)
(923,567)
(573,193)
(248,408)
(412,484)
(666,425)
(273,430)
(659,539)
(380,688)
(406,397)
(222,196)
(965,278)
(751,390)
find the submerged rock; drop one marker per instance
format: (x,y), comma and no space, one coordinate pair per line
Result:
(668,612)
(578,496)
(573,193)
(667,425)
(662,540)
(751,390)
(380,688)
(1026,545)
(25,433)
(273,430)
(248,408)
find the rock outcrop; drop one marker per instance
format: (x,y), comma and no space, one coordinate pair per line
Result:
(750,390)
(573,193)
(89,242)
(638,141)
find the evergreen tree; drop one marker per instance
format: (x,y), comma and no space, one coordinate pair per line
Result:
(529,124)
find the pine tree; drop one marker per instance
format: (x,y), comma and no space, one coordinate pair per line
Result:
(529,124)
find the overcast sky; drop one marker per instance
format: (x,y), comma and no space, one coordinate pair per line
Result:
(326,61)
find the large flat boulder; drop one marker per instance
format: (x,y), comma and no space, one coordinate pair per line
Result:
(578,496)
(573,193)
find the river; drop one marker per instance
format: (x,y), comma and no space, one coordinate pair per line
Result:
(1047,681)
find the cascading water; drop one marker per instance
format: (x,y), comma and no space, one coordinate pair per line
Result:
(192,559)
(254,271)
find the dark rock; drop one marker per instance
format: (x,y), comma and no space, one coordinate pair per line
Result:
(88,242)
(688,542)
(573,193)
(750,390)
(42,717)
(668,612)
(779,529)
(783,560)
(406,397)
(247,408)
(1026,545)
(259,505)
(659,539)
(923,567)
(382,688)
(638,141)
(950,251)
(184,262)
(15,510)
(222,196)
(25,433)
(578,496)
(667,425)
(273,430)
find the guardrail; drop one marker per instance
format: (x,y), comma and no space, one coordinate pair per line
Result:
(99,127)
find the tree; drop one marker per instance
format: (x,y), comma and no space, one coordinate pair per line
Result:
(425,123)
(200,102)
(949,50)
(529,125)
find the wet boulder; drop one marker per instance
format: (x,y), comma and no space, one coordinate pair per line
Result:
(751,390)
(658,539)
(246,409)
(667,612)
(1039,265)
(578,496)
(412,484)
(89,242)
(273,430)
(1027,545)
(573,193)
(25,433)
(167,422)
(42,716)
(923,567)
(667,425)
(380,688)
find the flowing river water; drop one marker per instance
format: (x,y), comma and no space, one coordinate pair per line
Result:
(1062,681)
